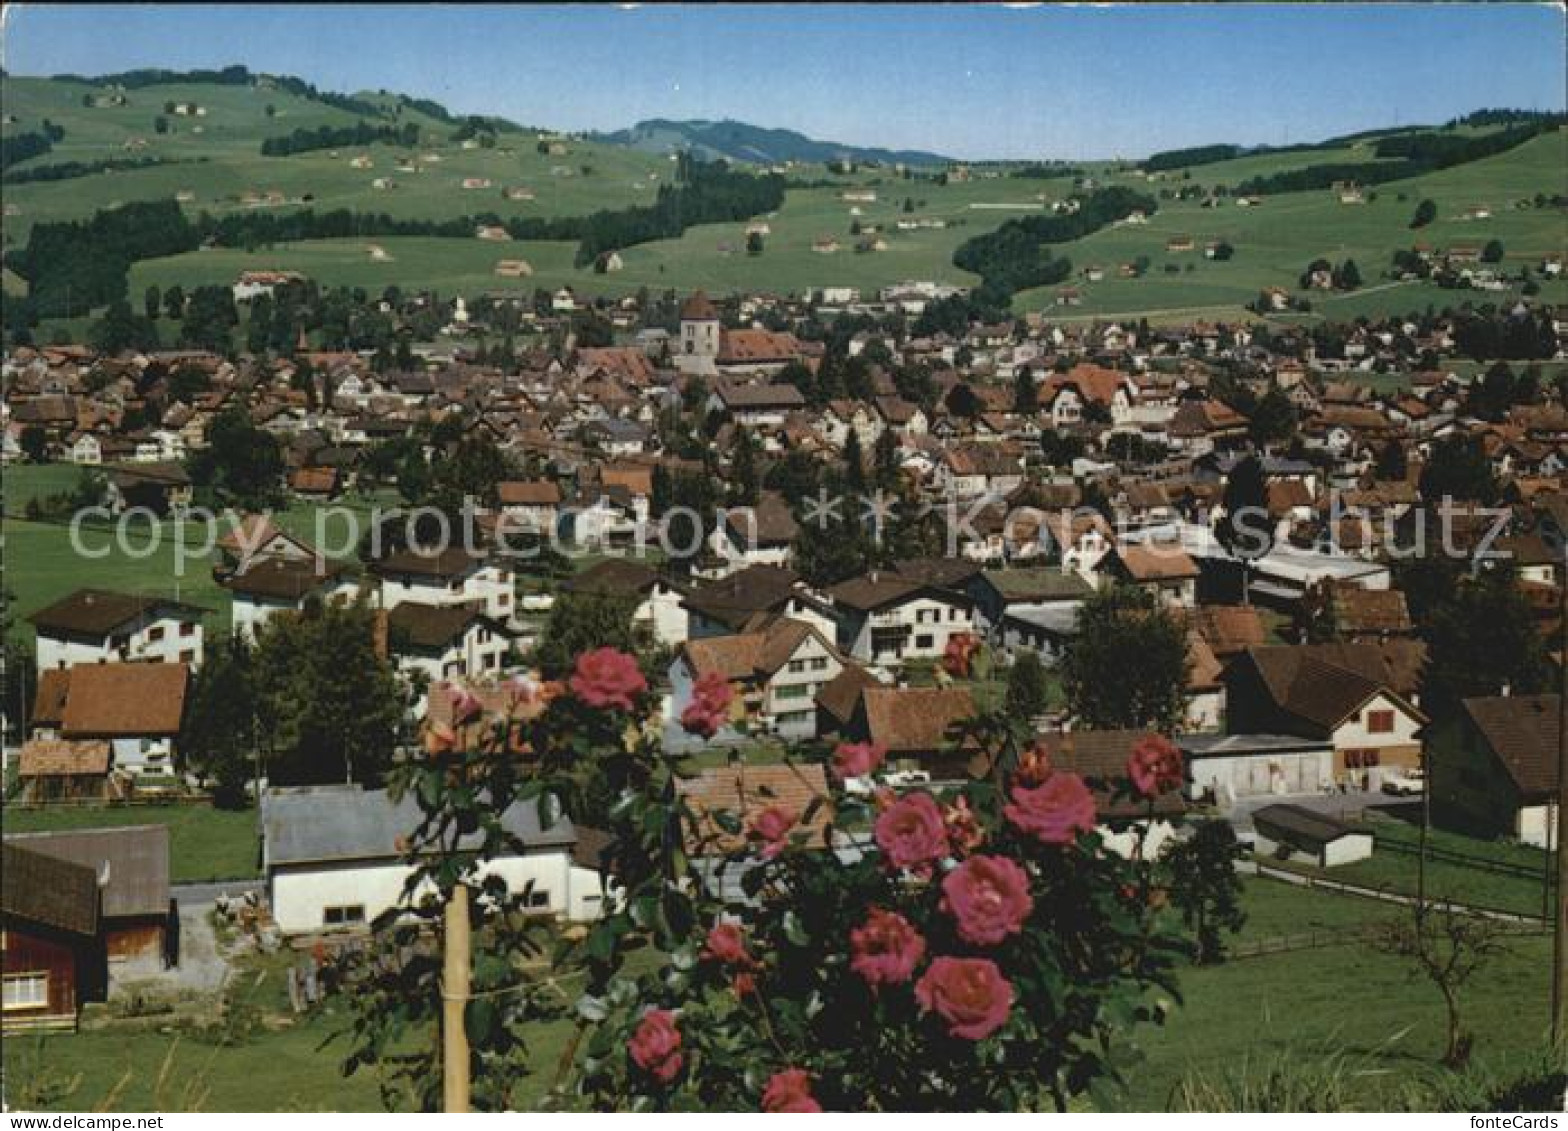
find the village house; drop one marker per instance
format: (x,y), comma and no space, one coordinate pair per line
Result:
(136,917)
(886,620)
(53,960)
(331,862)
(1342,693)
(277,584)
(1163,569)
(657,603)
(452,577)
(98,626)
(777,672)
(913,725)
(137,708)
(751,598)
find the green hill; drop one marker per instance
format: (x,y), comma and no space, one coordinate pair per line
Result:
(213,164)
(739,141)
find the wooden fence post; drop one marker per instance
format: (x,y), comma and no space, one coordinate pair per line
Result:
(455,985)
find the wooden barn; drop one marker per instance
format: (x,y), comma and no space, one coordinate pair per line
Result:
(51,952)
(131,869)
(57,769)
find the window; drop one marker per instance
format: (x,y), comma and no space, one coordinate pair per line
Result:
(1380,722)
(188,628)
(797,691)
(537,899)
(924,641)
(188,656)
(819,664)
(797,666)
(26,991)
(155,634)
(343,916)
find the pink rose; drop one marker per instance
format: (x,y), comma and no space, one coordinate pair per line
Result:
(969,993)
(856,760)
(727,944)
(886,949)
(988,896)
(1155,766)
(656,1045)
(911,833)
(709,706)
(1055,812)
(772,825)
(607,678)
(789,1091)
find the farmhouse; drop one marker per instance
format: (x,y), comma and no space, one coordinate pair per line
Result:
(656,601)
(284,584)
(1342,693)
(131,868)
(53,959)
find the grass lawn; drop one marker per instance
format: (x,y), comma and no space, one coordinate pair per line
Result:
(1343,999)
(204,843)
(1310,1001)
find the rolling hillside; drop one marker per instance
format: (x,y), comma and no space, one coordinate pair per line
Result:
(217,167)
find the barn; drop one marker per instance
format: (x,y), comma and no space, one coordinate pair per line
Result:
(52,958)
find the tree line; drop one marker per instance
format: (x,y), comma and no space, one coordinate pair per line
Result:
(25,146)
(70,170)
(334,137)
(1401,157)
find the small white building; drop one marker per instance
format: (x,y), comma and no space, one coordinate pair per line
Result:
(884,620)
(275,585)
(330,859)
(1232,767)
(1294,833)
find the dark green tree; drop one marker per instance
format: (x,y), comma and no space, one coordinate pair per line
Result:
(241,462)
(1028,687)
(1459,469)
(218,736)
(581,622)
(329,706)
(1482,639)
(1426,212)
(1205,887)
(1273,420)
(35,443)
(1126,667)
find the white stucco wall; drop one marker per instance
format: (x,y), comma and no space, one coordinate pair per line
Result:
(300,893)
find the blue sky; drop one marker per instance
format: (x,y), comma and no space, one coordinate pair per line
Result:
(970,81)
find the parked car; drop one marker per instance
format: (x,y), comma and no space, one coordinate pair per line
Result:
(1404,783)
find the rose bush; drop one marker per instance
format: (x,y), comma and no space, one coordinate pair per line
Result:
(970,948)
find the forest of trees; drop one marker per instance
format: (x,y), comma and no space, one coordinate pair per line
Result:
(334,137)
(25,146)
(73,266)
(1015,256)
(1196,155)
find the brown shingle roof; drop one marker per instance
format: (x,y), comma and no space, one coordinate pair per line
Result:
(47,890)
(124,700)
(98,612)
(1144,563)
(1522,732)
(841,695)
(1358,610)
(434,627)
(284,578)
(912,720)
(528,492)
(49,702)
(1324,683)
(745,790)
(1229,628)
(58,757)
